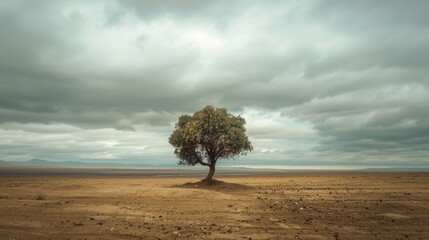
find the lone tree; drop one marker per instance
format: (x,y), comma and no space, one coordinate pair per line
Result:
(208,135)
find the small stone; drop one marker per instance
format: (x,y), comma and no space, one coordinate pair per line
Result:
(336,236)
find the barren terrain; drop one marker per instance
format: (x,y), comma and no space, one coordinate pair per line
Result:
(279,206)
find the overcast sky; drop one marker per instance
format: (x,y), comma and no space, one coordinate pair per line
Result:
(319,82)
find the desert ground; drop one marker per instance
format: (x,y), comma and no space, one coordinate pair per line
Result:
(261,206)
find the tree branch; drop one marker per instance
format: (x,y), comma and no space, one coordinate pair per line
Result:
(203,163)
(219,153)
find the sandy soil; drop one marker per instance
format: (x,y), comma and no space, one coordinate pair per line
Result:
(290,206)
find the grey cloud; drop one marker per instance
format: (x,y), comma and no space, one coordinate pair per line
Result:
(39,83)
(373,34)
(217,12)
(356,71)
(62,142)
(253,76)
(373,126)
(382,14)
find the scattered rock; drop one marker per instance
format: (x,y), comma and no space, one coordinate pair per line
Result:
(336,236)
(40,197)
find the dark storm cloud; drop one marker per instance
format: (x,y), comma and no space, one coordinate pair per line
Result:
(40,81)
(386,124)
(385,35)
(355,72)
(218,12)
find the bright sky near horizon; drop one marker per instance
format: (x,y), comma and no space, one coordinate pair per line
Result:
(320,83)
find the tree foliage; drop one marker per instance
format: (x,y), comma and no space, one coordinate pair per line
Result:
(208,135)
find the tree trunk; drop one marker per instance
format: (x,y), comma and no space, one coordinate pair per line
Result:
(209,177)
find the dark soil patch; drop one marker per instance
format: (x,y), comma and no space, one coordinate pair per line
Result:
(214,185)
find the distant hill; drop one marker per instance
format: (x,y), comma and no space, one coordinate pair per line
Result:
(396,169)
(46,163)
(71,164)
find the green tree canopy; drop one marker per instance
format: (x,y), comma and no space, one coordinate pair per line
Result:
(208,135)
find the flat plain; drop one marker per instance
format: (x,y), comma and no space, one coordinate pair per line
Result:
(262,206)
